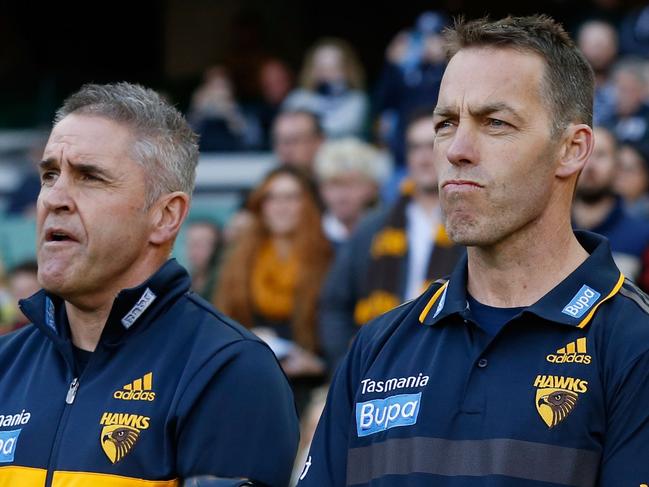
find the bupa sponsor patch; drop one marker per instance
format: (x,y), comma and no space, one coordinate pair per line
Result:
(581,302)
(140,307)
(382,414)
(8,442)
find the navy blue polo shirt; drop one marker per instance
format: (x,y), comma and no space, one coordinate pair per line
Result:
(558,396)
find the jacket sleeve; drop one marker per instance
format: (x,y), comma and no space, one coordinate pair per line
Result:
(326,463)
(237,418)
(624,459)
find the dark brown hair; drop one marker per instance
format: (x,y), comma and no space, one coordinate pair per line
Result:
(568,81)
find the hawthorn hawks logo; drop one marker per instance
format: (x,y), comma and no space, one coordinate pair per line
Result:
(557,396)
(120,433)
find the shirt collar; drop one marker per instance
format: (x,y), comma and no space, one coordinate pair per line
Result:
(132,307)
(572,302)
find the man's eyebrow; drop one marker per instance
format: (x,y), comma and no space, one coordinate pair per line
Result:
(484,110)
(481,111)
(48,163)
(444,112)
(82,167)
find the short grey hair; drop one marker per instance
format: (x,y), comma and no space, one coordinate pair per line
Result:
(164,144)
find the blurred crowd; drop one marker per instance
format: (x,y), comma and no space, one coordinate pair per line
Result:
(348,225)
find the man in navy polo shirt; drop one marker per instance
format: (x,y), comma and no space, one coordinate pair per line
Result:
(529,366)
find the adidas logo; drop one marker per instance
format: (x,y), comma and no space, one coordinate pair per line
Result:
(138,390)
(573,352)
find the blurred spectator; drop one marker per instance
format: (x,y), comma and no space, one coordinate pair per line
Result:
(597,208)
(297,136)
(218,118)
(634,33)
(415,62)
(598,41)
(631,92)
(22,199)
(272,274)
(331,86)
(632,179)
(350,173)
(393,254)
(237,225)
(275,82)
(203,244)
(22,282)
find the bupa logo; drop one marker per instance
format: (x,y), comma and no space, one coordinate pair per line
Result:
(382,414)
(140,307)
(8,441)
(581,302)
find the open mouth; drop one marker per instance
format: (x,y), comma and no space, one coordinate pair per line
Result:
(58,236)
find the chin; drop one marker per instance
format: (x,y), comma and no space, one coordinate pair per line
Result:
(54,282)
(470,235)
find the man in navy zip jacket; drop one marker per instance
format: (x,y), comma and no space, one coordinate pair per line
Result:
(127,378)
(529,366)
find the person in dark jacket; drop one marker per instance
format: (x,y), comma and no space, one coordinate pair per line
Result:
(394,253)
(126,377)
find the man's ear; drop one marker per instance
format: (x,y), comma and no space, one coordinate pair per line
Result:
(577,147)
(168,214)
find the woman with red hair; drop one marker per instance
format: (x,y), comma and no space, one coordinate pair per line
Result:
(271,276)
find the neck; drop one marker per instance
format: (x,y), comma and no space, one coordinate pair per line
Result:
(523,268)
(283,245)
(86,325)
(428,200)
(589,215)
(88,314)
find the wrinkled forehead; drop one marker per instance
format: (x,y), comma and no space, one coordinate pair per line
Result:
(479,76)
(82,136)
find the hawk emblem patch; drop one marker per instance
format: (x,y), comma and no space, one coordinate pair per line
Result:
(120,433)
(556,397)
(117,441)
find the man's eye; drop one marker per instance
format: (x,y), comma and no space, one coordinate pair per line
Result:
(494,122)
(444,124)
(48,176)
(90,177)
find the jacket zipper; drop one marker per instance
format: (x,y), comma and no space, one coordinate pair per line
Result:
(69,400)
(72,391)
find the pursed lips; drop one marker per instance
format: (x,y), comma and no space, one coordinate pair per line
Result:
(460,185)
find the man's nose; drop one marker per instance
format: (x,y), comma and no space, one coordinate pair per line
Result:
(58,196)
(463,146)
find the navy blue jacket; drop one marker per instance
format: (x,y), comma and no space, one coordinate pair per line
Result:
(560,396)
(173,390)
